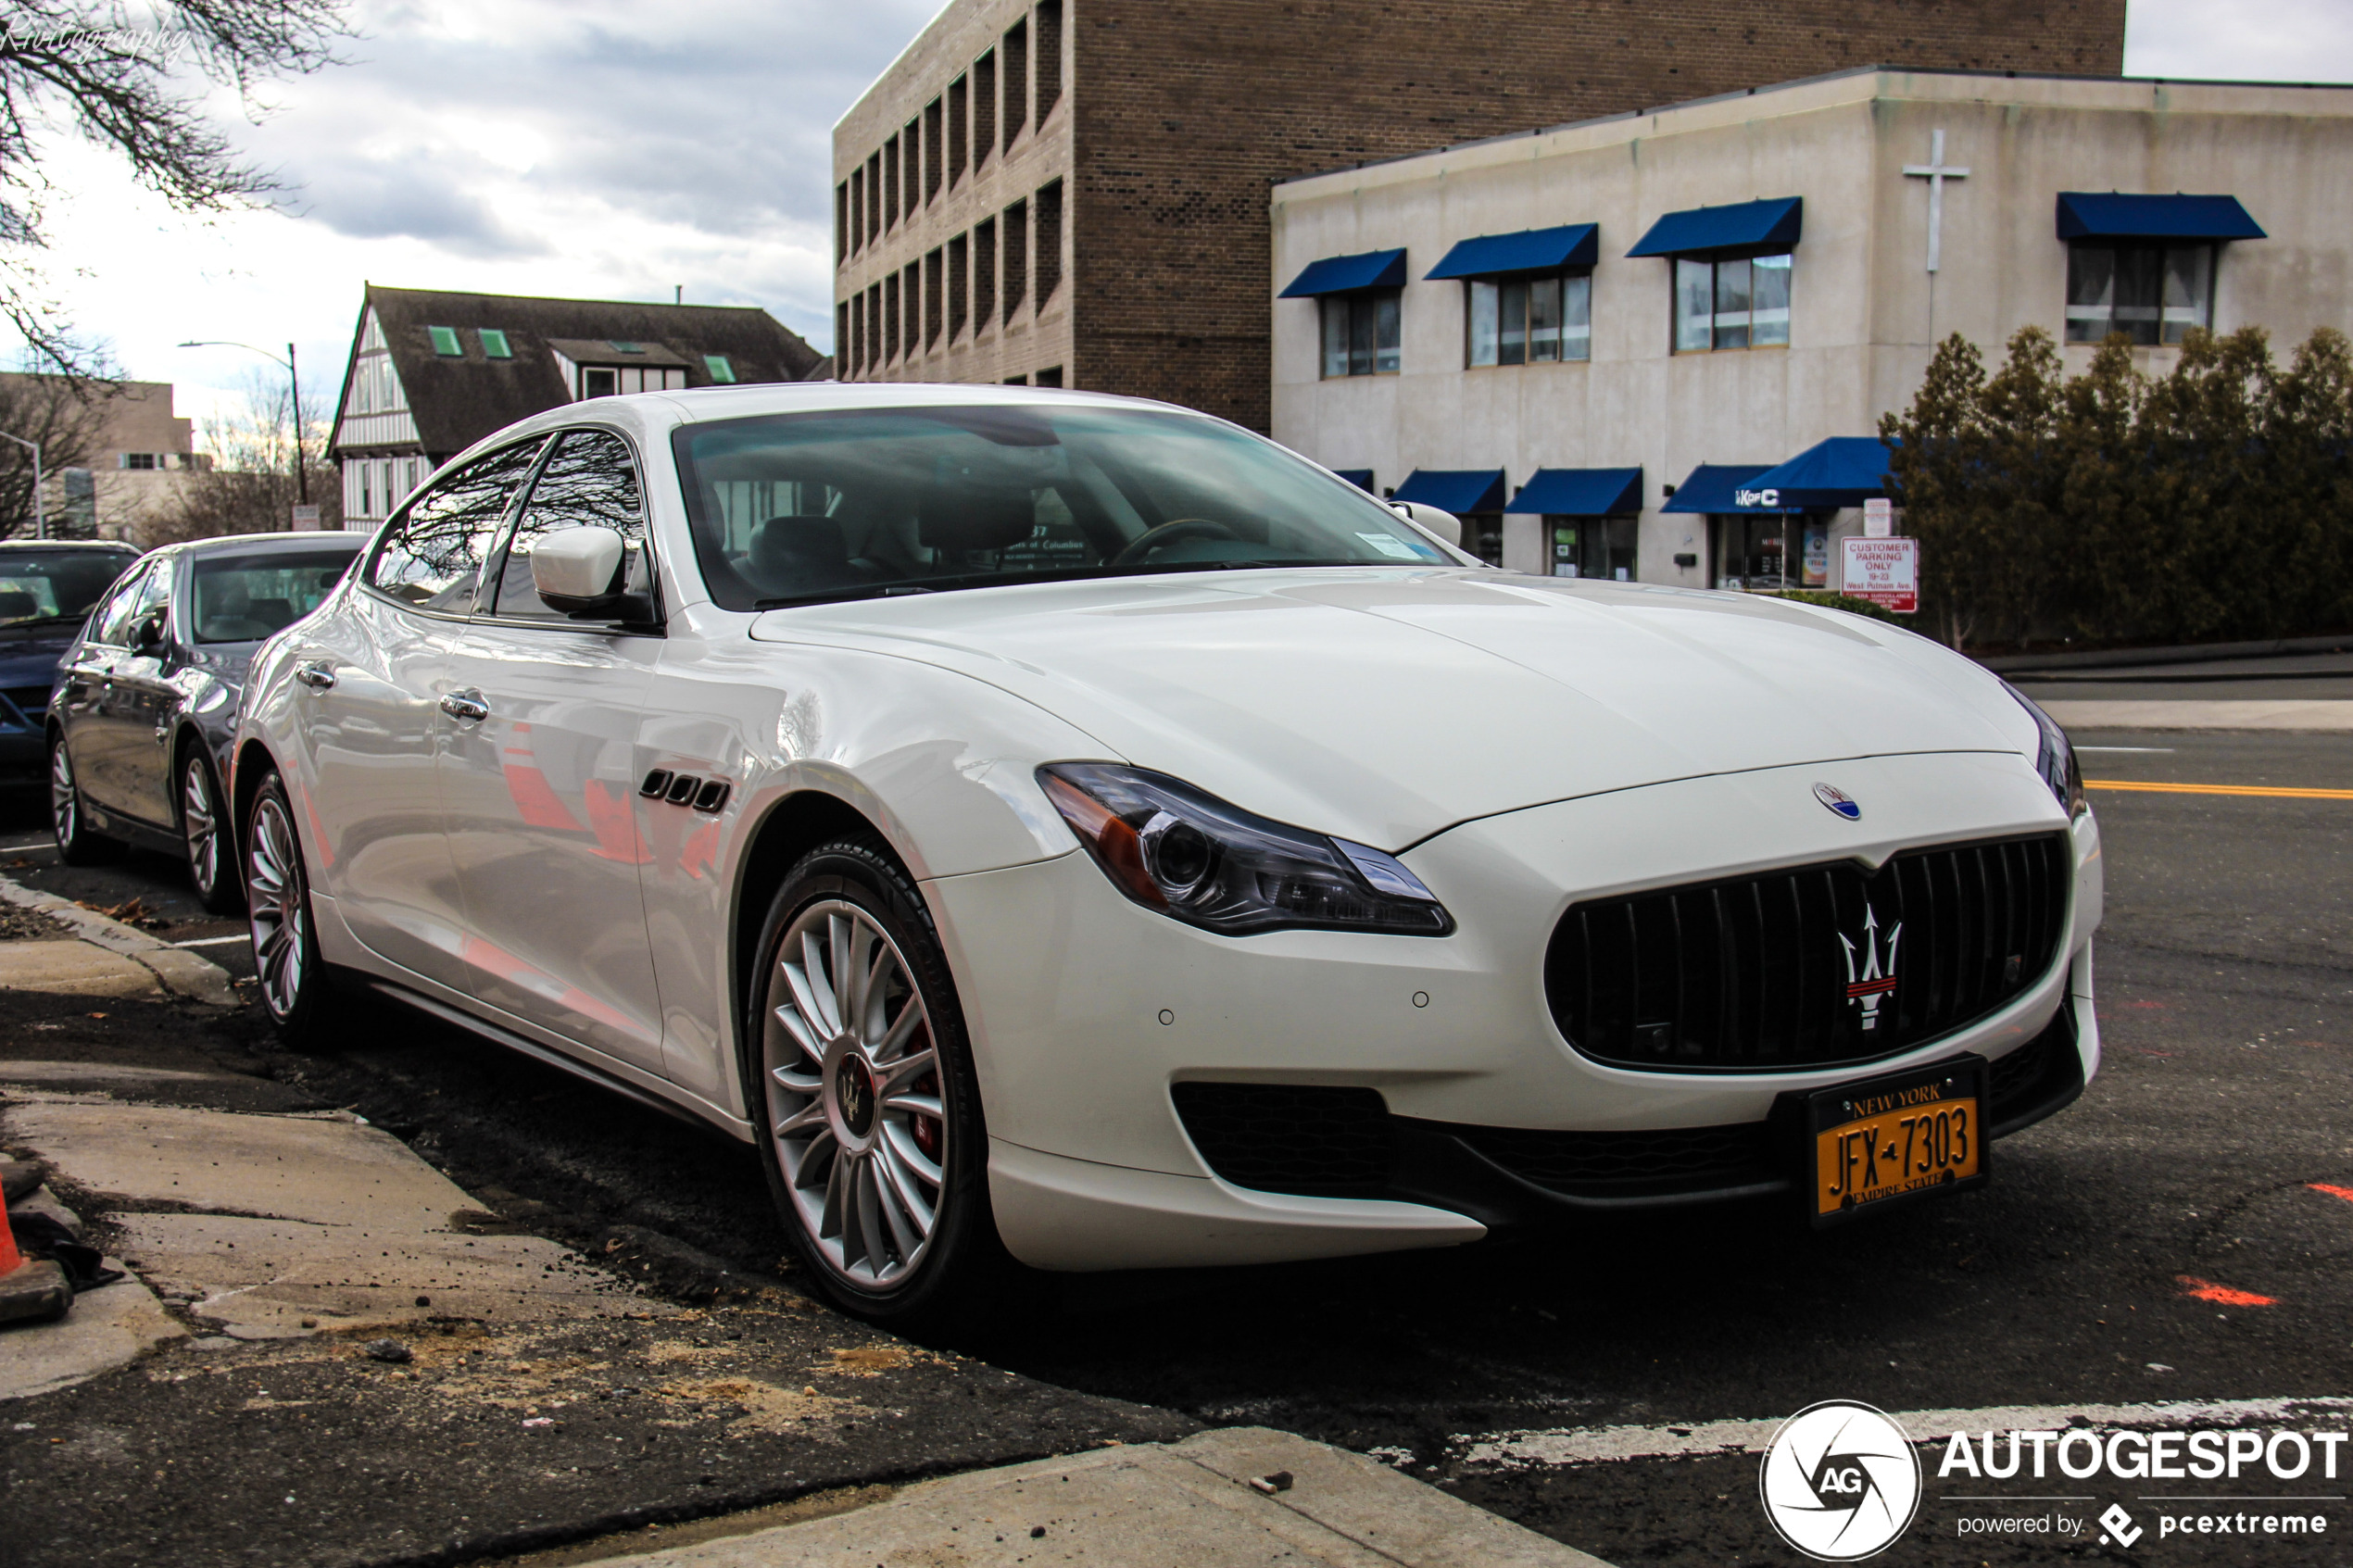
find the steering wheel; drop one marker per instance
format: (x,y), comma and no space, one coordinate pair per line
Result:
(1169,532)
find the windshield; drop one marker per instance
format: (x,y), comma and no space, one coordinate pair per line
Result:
(245,598)
(56,585)
(791,507)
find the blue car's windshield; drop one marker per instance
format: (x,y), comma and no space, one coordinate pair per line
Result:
(37,585)
(794,507)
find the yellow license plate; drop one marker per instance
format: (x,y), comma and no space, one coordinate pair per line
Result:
(1904,1135)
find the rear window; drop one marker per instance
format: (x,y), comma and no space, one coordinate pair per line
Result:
(792,509)
(58,586)
(245,598)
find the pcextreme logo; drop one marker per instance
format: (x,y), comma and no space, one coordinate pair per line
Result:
(1840,1481)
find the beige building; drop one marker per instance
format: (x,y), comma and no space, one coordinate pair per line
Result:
(1687,299)
(951,245)
(130,464)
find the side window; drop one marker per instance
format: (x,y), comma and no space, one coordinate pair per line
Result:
(590,482)
(431,556)
(110,622)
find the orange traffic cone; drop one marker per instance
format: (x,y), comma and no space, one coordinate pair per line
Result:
(37,1289)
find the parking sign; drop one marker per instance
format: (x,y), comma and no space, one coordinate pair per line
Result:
(1886,571)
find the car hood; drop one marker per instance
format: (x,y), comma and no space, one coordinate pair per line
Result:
(1386,705)
(31,660)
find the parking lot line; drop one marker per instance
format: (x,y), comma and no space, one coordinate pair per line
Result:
(2273,790)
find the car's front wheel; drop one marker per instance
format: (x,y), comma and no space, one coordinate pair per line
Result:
(77,845)
(862,1086)
(285,940)
(211,863)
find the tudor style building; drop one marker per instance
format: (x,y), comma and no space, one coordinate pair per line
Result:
(433,372)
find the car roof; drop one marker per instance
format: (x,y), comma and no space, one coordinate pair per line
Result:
(110,545)
(247,544)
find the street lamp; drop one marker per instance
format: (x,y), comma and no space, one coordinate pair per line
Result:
(294,395)
(40,518)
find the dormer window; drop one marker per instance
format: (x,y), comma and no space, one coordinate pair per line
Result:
(493,345)
(722,372)
(446,344)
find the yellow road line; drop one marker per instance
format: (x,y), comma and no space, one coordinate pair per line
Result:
(2219,789)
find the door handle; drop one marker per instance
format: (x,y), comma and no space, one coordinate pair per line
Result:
(315,675)
(466,704)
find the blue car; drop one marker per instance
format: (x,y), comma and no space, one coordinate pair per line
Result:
(47,590)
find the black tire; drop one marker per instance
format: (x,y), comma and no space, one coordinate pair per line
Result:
(294,984)
(831,1173)
(68,818)
(213,870)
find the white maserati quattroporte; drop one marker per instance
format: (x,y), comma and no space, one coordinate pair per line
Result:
(1062,828)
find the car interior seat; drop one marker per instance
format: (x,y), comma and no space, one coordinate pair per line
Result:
(18,605)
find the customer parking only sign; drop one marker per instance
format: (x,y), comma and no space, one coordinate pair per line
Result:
(1886,571)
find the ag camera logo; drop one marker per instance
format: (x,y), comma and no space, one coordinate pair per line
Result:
(1840,1481)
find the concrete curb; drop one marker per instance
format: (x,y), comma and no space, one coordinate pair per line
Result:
(181,972)
(2195,653)
(1239,1495)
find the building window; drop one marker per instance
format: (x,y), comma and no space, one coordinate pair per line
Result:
(890,155)
(841,222)
(911,146)
(858,208)
(1016,54)
(1593,546)
(890,319)
(959,282)
(984,273)
(599,381)
(845,341)
(1769,553)
(140,460)
(910,292)
(984,107)
(1051,376)
(1016,267)
(1050,56)
(1360,333)
(875,325)
(932,264)
(493,345)
(1732,302)
(874,197)
(722,372)
(1050,241)
(2151,293)
(1016,381)
(931,149)
(1531,320)
(959,125)
(446,344)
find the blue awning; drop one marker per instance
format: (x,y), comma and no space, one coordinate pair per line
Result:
(1845,470)
(1361,478)
(1346,275)
(1581,493)
(1740,225)
(1723,487)
(2091,215)
(1455,489)
(1530,250)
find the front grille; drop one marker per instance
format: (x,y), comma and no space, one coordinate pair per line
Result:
(1778,972)
(1632,1163)
(1290,1137)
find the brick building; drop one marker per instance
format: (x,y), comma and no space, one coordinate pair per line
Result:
(1078,190)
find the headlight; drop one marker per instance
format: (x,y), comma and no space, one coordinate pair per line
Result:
(2055,759)
(1191,855)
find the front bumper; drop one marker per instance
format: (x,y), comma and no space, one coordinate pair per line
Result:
(1088,1013)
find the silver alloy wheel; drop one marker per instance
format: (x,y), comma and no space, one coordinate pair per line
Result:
(854,1103)
(202,830)
(273,881)
(65,800)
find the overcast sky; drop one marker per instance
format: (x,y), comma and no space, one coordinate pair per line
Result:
(613,150)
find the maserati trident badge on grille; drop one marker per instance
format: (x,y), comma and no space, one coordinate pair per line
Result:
(1839,801)
(1876,983)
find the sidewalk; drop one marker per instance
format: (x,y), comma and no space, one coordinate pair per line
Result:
(2162,714)
(327,1351)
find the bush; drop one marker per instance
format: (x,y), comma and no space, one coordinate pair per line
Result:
(1848,603)
(2214,502)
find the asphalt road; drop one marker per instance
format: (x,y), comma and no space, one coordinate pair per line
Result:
(2225,973)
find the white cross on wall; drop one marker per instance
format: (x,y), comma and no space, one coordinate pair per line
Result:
(1936,173)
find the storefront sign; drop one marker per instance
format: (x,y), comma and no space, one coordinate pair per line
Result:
(1756,497)
(1886,571)
(1879,518)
